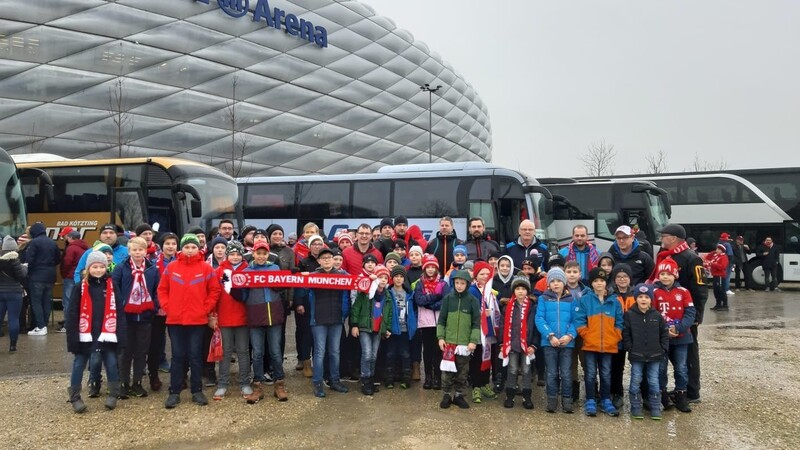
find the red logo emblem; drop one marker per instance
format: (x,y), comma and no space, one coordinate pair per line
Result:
(239,279)
(363,284)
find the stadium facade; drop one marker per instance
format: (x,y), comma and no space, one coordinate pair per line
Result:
(255,87)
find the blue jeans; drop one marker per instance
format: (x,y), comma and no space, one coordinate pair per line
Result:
(728,274)
(11,302)
(257,335)
(274,336)
(41,301)
(638,369)
(187,345)
(108,358)
(370,342)
(593,360)
(398,352)
(558,363)
(677,356)
(66,296)
(326,346)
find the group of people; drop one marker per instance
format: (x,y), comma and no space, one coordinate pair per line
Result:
(454,314)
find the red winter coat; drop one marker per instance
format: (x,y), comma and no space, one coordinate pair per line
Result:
(353,258)
(717,263)
(230,312)
(72,255)
(188,291)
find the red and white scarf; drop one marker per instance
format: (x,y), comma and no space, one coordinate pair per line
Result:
(664,254)
(448,363)
(108,333)
(489,324)
(139,301)
(594,257)
(523,332)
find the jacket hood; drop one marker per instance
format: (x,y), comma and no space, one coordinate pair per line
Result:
(37,229)
(510,274)
(607,255)
(634,248)
(80,243)
(9,256)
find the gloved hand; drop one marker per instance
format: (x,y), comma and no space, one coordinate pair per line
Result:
(226,280)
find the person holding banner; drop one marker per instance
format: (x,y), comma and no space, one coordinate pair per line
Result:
(370,319)
(480,367)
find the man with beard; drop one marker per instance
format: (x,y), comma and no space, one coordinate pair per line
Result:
(478,243)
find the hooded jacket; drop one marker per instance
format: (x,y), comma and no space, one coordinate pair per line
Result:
(122,276)
(554,316)
(599,322)
(75,249)
(188,291)
(361,314)
(640,262)
(644,335)
(441,246)
(12,273)
(503,284)
(42,256)
(459,319)
(519,252)
(480,247)
(264,305)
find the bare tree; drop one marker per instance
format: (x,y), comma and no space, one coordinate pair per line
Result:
(703,165)
(118,111)
(657,162)
(35,142)
(599,159)
(239,140)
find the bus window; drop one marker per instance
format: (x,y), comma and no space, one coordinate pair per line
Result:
(607,223)
(792,238)
(80,189)
(131,176)
(324,200)
(267,201)
(128,208)
(160,208)
(371,199)
(427,198)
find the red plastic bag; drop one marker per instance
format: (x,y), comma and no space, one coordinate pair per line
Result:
(215,349)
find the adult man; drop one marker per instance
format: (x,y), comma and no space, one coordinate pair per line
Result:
(108,235)
(226,229)
(74,249)
(441,246)
(521,248)
(582,251)
(246,236)
(692,277)
(626,249)
(725,239)
(355,254)
(385,243)
(478,243)
(769,254)
(283,256)
(42,256)
(400,230)
(740,251)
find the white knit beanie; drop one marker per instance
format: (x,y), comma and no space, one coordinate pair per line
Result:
(96,258)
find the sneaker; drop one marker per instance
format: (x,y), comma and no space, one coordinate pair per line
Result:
(617,400)
(38,332)
(352,379)
(199,398)
(694,400)
(776,290)
(211,379)
(607,406)
(446,401)
(476,395)
(339,387)
(219,394)
(318,391)
(590,408)
(268,380)
(404,385)
(488,392)
(163,367)
(137,391)
(61,329)
(390,385)
(729,292)
(459,401)
(723,308)
(172,401)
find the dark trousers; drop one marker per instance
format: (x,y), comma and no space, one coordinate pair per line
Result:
(720,294)
(431,353)
(302,336)
(617,370)
(693,366)
(158,336)
(187,345)
(477,377)
(139,334)
(398,353)
(416,347)
(457,380)
(738,274)
(41,301)
(771,272)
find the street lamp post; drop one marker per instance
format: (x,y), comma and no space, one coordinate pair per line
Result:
(430,90)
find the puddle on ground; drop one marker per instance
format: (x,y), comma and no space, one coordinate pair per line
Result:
(753,326)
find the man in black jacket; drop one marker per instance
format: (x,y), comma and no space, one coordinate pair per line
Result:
(478,243)
(628,250)
(42,256)
(770,255)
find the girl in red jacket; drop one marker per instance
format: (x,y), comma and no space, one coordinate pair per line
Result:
(717,263)
(188,293)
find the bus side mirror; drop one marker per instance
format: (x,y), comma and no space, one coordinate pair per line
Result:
(197,208)
(548,206)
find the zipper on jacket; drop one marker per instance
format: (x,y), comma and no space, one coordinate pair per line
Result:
(458,320)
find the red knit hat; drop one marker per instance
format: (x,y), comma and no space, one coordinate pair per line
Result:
(481,265)
(668,265)
(428,259)
(382,270)
(260,245)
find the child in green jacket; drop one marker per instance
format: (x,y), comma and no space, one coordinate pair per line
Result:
(370,318)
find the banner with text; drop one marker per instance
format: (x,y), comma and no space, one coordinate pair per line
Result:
(285,278)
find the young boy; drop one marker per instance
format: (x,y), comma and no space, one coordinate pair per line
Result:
(676,306)
(403,328)
(519,342)
(459,258)
(414,270)
(428,294)
(598,319)
(621,286)
(717,264)
(554,261)
(392,260)
(574,284)
(606,262)
(481,368)
(646,339)
(370,319)
(459,331)
(554,322)
(576,287)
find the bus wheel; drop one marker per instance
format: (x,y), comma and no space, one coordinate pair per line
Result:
(754,275)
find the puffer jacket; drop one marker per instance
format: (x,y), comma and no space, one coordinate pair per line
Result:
(264,305)
(42,256)
(12,273)
(326,306)
(644,335)
(97,292)
(459,319)
(411,312)
(599,322)
(188,291)
(554,316)
(122,276)
(362,315)
(230,311)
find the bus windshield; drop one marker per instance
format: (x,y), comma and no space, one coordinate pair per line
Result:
(658,210)
(218,197)
(12,205)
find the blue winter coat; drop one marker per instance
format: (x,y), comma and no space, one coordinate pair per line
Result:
(555,316)
(519,252)
(42,256)
(122,276)
(411,313)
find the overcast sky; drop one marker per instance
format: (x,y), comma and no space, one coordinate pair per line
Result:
(720,79)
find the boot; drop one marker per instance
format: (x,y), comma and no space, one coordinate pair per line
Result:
(113,394)
(552,404)
(258,390)
(682,402)
(636,406)
(123,392)
(428,384)
(307,372)
(446,401)
(405,383)
(655,405)
(155,382)
(415,371)
(527,402)
(13,347)
(366,386)
(280,391)
(299,365)
(94,389)
(75,398)
(510,393)
(567,405)
(666,401)
(437,381)
(576,391)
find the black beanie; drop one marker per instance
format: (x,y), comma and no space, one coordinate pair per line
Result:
(142,228)
(273,228)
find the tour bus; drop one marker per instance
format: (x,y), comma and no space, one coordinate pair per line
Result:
(12,205)
(752,203)
(602,205)
(421,192)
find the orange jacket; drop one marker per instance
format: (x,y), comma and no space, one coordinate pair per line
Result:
(599,323)
(188,291)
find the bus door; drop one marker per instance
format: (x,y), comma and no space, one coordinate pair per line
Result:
(128,207)
(639,217)
(790,257)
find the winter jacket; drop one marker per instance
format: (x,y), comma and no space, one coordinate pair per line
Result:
(429,303)
(519,252)
(717,264)
(283,256)
(480,247)
(534,337)
(353,258)
(42,256)
(230,312)
(459,319)
(582,257)
(411,312)
(413,273)
(72,254)
(740,254)
(97,292)
(122,276)
(770,260)
(503,287)
(12,273)
(442,246)
(626,299)
(300,250)
(326,306)
(677,308)
(599,322)
(644,335)
(265,306)
(188,291)
(691,276)
(362,310)
(120,253)
(554,316)
(640,262)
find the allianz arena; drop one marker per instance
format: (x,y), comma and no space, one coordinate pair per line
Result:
(254,87)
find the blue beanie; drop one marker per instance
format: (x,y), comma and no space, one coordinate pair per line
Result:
(556,273)
(643,288)
(460,249)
